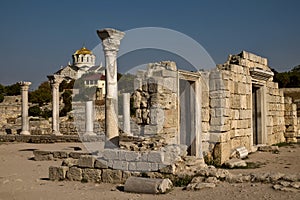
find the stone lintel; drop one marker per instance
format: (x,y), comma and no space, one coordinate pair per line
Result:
(260,74)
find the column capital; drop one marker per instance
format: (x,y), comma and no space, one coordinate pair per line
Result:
(110,38)
(55,79)
(24,85)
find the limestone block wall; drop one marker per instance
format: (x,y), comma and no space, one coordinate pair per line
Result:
(291,121)
(205,113)
(155,101)
(77,125)
(275,114)
(231,109)
(10,110)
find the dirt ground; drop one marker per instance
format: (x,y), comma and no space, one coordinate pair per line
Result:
(23,178)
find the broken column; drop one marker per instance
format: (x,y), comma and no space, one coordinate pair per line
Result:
(89,119)
(147,185)
(126,113)
(25,121)
(55,80)
(111,41)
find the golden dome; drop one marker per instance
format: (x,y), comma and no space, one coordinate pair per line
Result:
(83,51)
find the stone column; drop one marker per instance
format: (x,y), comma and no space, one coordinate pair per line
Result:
(126,113)
(89,119)
(111,41)
(55,80)
(25,121)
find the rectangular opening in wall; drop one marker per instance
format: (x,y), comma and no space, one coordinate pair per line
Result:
(257,115)
(187,115)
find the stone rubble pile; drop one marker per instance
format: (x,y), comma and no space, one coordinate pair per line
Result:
(87,168)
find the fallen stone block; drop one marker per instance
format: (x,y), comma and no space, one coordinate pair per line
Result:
(57,173)
(74,174)
(200,186)
(242,152)
(86,161)
(147,185)
(40,155)
(273,149)
(233,163)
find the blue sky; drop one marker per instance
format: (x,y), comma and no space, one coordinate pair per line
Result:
(37,37)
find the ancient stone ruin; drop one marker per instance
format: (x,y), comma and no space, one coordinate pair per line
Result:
(180,119)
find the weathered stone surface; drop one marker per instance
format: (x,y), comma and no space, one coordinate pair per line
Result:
(200,186)
(232,163)
(156,157)
(57,173)
(70,162)
(74,174)
(122,165)
(274,149)
(147,185)
(76,155)
(91,175)
(143,166)
(295,185)
(110,154)
(101,164)
(242,152)
(275,176)
(111,176)
(86,161)
(167,169)
(60,154)
(40,155)
(290,177)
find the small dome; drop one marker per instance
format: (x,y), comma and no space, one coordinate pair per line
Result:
(83,51)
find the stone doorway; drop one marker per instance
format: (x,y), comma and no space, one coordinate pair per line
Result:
(258,115)
(187,115)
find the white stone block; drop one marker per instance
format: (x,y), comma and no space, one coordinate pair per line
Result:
(156,157)
(132,166)
(110,154)
(143,166)
(121,165)
(86,161)
(132,156)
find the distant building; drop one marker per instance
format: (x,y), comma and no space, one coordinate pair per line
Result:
(84,67)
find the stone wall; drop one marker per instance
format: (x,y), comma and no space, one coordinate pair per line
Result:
(231,88)
(156,103)
(275,114)
(291,121)
(10,110)
(10,119)
(78,115)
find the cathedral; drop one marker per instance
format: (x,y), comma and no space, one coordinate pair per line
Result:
(83,63)
(84,67)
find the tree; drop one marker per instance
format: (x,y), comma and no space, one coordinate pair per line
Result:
(1,98)
(67,99)
(66,85)
(34,111)
(42,95)
(288,79)
(13,90)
